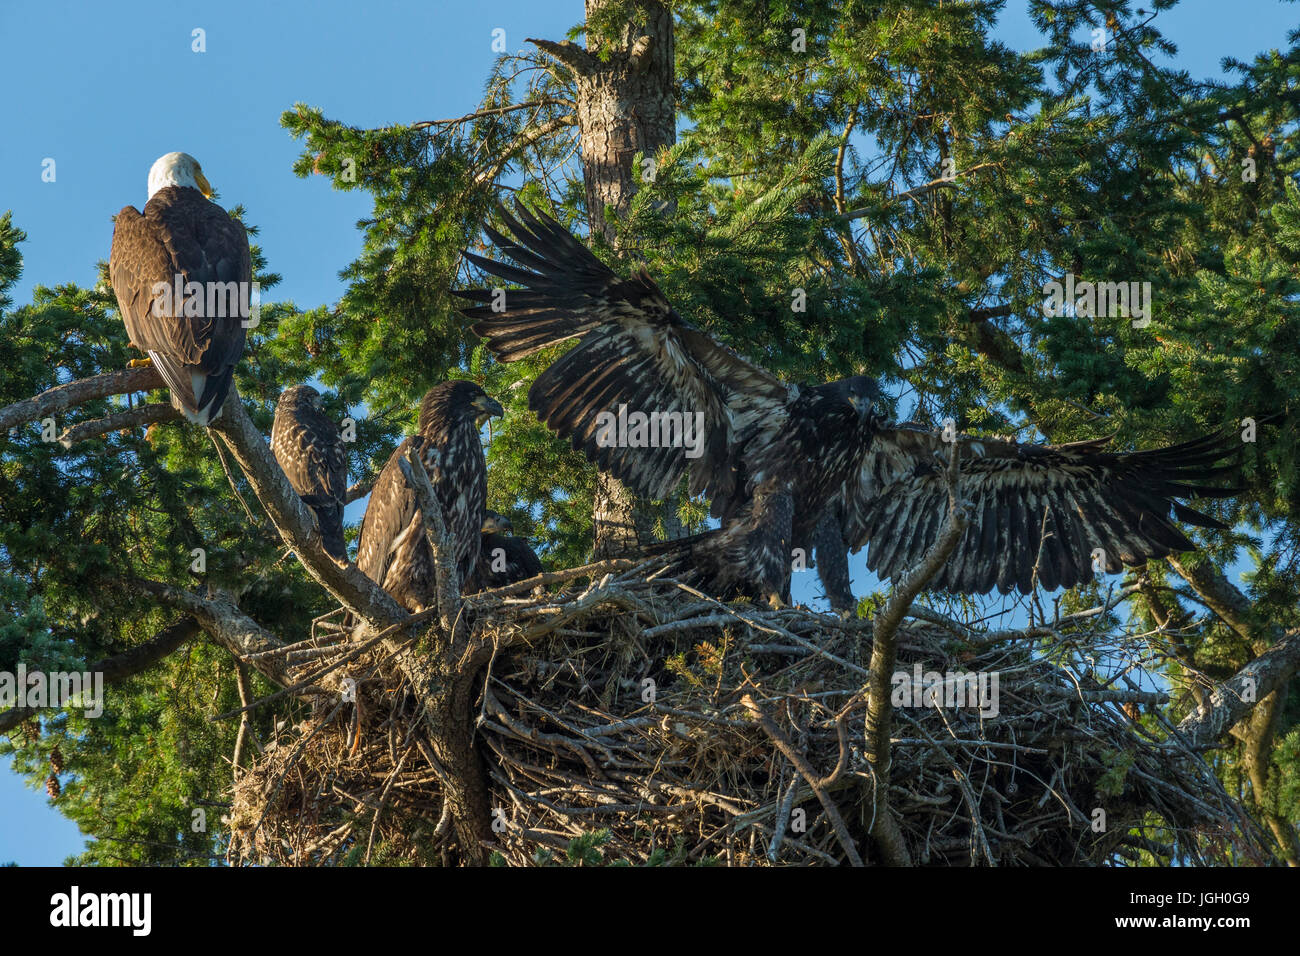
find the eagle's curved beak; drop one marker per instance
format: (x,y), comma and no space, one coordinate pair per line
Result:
(487,407)
(496,524)
(205,187)
(863,404)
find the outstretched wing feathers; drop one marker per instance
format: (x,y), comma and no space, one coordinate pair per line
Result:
(635,352)
(599,376)
(1037,512)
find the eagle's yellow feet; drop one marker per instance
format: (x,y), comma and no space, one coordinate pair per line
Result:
(145,362)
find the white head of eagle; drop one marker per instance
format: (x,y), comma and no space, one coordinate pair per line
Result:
(178,169)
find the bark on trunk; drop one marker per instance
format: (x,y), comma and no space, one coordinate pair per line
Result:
(625,105)
(1255,724)
(454,685)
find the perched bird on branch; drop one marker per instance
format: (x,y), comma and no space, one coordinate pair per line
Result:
(774,457)
(309,448)
(393,550)
(182,273)
(503,558)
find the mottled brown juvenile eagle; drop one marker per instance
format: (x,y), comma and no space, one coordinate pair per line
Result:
(502,558)
(309,448)
(392,549)
(182,274)
(833,560)
(773,457)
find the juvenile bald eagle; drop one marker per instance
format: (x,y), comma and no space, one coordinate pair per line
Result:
(309,448)
(833,560)
(182,274)
(503,558)
(392,549)
(773,457)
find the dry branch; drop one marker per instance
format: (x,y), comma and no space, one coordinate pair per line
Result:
(1236,697)
(568,53)
(224,622)
(295,522)
(435,532)
(61,397)
(817,785)
(884,657)
(152,414)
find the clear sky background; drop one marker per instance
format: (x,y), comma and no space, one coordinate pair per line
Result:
(105,88)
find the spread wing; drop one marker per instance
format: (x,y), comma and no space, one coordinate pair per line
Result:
(1039,513)
(635,351)
(182,234)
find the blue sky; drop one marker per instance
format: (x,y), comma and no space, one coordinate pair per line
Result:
(106,88)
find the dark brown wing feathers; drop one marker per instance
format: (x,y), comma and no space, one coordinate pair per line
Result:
(182,234)
(635,352)
(310,451)
(1038,512)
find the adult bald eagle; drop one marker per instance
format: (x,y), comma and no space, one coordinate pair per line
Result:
(309,448)
(182,274)
(774,456)
(393,550)
(503,558)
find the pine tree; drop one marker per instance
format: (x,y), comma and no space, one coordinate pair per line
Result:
(830,188)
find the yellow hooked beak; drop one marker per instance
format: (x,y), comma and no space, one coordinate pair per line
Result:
(205,187)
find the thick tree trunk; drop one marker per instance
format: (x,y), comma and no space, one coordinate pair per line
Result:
(625,105)
(454,687)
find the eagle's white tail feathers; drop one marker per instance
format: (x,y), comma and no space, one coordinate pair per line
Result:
(201,382)
(187,388)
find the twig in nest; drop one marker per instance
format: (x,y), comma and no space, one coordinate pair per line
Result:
(818,784)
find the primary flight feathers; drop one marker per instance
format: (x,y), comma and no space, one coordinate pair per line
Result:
(776,458)
(1036,510)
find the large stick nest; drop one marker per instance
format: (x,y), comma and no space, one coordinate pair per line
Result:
(621,721)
